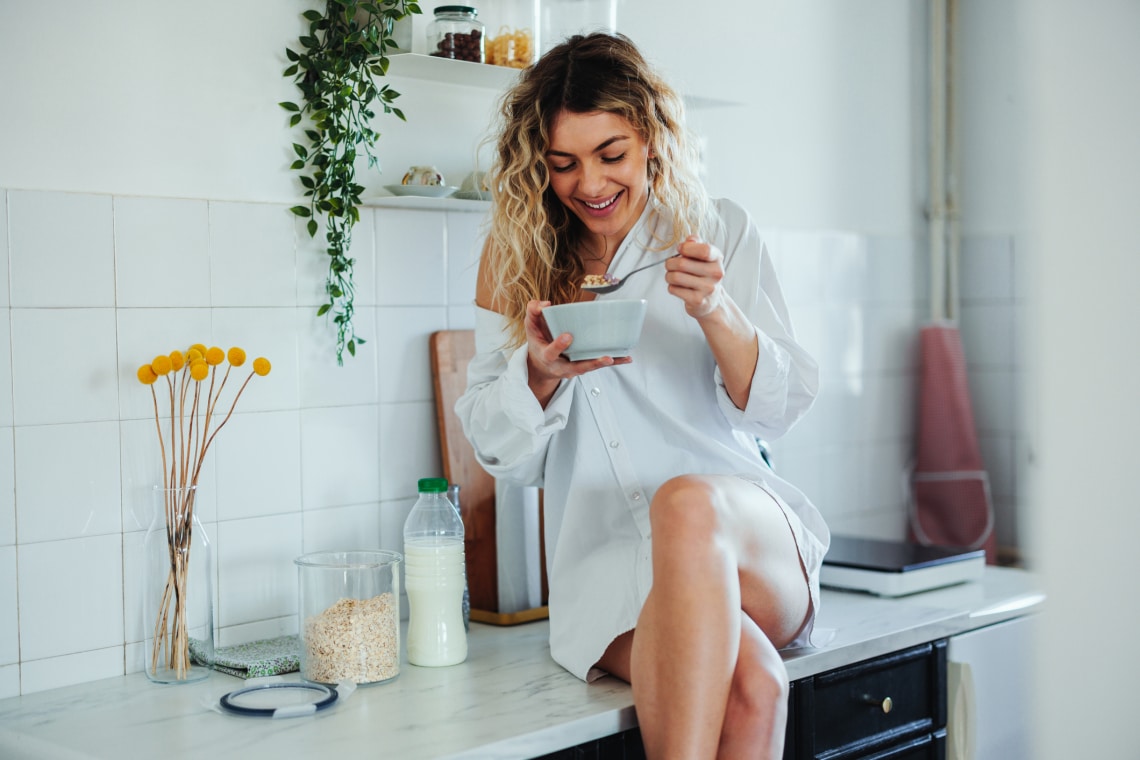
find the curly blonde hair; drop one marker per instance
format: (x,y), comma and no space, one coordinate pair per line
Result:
(533,248)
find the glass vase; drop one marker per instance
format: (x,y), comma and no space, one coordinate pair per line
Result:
(178,590)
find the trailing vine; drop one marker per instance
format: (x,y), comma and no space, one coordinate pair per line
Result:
(335,67)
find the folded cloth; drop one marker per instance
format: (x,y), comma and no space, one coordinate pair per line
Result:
(254,659)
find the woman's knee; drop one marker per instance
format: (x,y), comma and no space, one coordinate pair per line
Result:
(685,506)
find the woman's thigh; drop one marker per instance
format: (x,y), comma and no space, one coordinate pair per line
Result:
(774,588)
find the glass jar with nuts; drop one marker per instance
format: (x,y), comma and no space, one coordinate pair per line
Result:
(456,33)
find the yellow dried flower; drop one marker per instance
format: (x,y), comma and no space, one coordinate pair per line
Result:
(146,375)
(236,356)
(194,355)
(199,370)
(160,365)
(215,356)
(199,347)
(261,366)
(177,360)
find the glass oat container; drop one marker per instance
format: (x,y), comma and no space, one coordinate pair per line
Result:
(349,604)
(457,33)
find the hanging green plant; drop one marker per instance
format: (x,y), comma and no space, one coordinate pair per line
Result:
(336,67)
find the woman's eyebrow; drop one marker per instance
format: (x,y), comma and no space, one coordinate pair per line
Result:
(605,144)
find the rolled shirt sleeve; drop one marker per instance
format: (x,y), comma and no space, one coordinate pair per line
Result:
(507,427)
(786,378)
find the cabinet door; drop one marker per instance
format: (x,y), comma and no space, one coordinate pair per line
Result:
(989,671)
(790,729)
(929,747)
(872,706)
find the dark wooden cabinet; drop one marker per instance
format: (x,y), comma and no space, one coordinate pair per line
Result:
(623,746)
(891,707)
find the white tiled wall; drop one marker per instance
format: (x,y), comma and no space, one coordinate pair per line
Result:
(992,300)
(857,303)
(319,456)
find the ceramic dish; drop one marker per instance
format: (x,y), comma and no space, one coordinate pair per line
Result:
(602,327)
(421,191)
(474,195)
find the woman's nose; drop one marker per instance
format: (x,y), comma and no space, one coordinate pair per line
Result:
(593,179)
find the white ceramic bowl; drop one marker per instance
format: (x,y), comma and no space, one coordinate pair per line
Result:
(475,181)
(602,327)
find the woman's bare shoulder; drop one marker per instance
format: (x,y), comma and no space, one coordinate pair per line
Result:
(485,282)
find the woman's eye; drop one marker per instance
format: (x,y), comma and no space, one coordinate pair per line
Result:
(561,169)
(613,159)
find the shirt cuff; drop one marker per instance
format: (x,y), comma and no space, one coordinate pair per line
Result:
(523,409)
(768,389)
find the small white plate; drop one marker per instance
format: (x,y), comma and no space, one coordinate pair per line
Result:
(474,195)
(421,191)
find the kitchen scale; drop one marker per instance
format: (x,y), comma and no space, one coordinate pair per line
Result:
(897,568)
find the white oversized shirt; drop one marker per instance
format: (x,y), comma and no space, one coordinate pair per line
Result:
(608,439)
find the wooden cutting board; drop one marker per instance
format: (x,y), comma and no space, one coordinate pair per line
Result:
(451,350)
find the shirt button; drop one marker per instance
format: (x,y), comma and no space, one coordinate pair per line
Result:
(636,496)
(595,392)
(614,444)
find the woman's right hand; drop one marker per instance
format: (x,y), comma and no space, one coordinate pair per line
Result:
(546,366)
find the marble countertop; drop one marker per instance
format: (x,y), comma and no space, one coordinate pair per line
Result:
(508,700)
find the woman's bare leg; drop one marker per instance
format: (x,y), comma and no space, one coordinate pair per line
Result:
(755,720)
(720,545)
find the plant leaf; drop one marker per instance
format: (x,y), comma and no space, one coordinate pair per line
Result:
(335,69)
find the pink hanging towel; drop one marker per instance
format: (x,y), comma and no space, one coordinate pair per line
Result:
(950,490)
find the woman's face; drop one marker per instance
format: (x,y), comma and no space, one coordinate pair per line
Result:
(599,169)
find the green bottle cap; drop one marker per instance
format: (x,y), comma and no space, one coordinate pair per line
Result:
(433,485)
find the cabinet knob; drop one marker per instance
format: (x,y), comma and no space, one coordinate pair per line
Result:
(885,703)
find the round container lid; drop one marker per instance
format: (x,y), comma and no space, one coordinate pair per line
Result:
(279,700)
(433,485)
(357,559)
(457,9)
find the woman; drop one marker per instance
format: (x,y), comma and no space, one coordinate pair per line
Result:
(677,560)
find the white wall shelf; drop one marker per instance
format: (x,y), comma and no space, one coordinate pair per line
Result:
(426,204)
(465,73)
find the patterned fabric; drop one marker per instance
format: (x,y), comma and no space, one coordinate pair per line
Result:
(254,659)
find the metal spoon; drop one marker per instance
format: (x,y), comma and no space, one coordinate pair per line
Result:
(614,283)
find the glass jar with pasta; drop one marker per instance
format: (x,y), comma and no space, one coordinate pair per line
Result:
(511,32)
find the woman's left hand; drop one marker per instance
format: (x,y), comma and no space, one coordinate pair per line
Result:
(695,276)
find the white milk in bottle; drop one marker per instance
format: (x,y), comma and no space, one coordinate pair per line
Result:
(434,577)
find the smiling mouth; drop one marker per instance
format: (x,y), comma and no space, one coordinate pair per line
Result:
(603,205)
